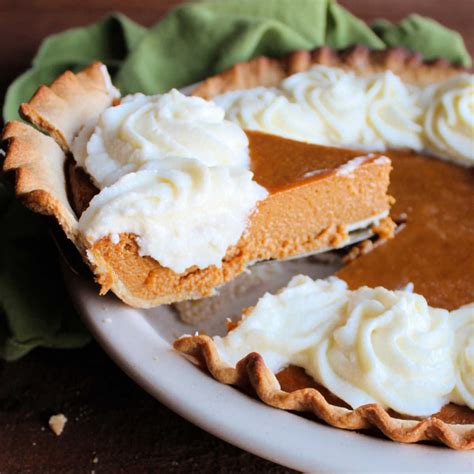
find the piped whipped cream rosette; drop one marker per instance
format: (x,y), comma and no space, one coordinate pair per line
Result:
(147,128)
(268,109)
(449,119)
(462,321)
(335,97)
(365,345)
(331,106)
(173,173)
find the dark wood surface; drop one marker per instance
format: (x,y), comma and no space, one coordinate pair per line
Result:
(114,426)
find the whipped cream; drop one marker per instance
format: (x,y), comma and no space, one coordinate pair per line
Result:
(449,119)
(462,321)
(146,128)
(268,110)
(331,106)
(365,346)
(336,97)
(183,212)
(393,113)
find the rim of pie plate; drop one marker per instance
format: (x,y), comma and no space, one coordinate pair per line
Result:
(333,107)
(139,342)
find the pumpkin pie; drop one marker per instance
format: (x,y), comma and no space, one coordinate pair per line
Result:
(317,195)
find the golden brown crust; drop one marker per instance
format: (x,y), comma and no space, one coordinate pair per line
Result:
(39,161)
(251,370)
(69,103)
(263,71)
(38,164)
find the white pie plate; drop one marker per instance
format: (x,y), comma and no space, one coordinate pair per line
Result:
(139,341)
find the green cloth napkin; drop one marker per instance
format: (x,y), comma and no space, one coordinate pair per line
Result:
(190,43)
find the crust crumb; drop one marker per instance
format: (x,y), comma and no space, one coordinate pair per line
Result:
(57,423)
(357,250)
(385,229)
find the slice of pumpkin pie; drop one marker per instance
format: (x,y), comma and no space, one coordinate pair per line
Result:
(167,200)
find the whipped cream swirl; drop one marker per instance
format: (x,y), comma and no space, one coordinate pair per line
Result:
(336,97)
(462,321)
(392,349)
(284,328)
(365,346)
(449,119)
(146,128)
(393,113)
(183,212)
(266,109)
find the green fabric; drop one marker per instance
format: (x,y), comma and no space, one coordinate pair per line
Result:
(425,35)
(192,42)
(199,39)
(34,306)
(110,40)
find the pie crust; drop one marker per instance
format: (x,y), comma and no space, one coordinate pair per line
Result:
(39,160)
(453,426)
(269,72)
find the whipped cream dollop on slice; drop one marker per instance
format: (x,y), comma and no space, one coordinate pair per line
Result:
(462,321)
(449,119)
(146,128)
(365,346)
(182,212)
(268,110)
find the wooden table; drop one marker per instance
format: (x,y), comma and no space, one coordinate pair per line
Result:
(114,426)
